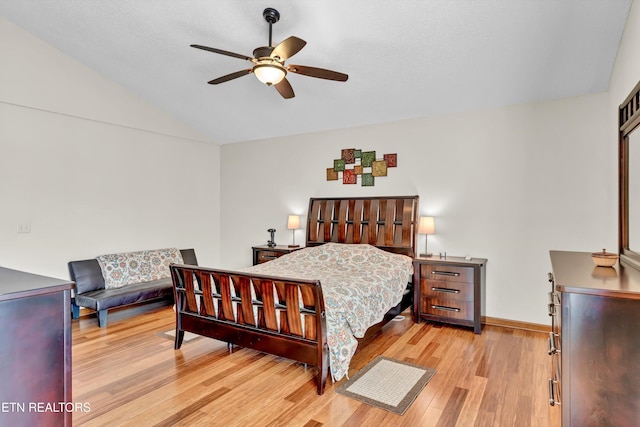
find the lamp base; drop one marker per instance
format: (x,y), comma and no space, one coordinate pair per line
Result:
(293,246)
(427,255)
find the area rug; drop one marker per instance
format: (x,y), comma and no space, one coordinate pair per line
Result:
(188,336)
(388,384)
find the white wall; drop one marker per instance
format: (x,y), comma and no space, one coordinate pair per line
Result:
(626,72)
(506,184)
(92,168)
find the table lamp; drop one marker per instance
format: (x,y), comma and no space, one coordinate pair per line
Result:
(293,223)
(427,226)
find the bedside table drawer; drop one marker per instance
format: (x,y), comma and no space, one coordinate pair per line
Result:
(447,273)
(458,291)
(264,256)
(447,309)
(264,253)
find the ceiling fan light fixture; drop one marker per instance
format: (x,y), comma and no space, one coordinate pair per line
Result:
(269,73)
(268,62)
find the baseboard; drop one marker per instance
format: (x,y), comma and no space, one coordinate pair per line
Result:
(85,312)
(515,324)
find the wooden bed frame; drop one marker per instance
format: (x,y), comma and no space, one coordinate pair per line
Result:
(205,300)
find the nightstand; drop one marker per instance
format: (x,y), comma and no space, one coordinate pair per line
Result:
(264,253)
(449,290)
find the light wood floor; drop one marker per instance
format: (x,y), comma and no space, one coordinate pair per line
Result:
(130,374)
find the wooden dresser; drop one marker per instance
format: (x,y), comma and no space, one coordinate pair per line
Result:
(35,350)
(595,349)
(449,290)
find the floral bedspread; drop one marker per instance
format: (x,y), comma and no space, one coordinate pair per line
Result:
(360,284)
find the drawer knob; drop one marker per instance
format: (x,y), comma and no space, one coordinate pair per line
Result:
(269,257)
(448,290)
(445,273)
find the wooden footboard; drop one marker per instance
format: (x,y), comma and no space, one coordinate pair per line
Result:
(275,315)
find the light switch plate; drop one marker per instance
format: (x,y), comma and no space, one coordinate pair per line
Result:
(23,227)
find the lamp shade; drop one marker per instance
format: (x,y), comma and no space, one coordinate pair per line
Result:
(269,74)
(293,223)
(427,225)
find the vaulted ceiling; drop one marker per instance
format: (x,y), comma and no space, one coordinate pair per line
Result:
(405,58)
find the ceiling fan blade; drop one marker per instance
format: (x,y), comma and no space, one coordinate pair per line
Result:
(230,76)
(320,73)
(222,52)
(288,48)
(284,88)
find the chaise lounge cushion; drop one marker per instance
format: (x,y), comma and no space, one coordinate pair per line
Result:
(115,297)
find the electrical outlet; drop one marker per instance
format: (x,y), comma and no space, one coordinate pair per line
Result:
(23,228)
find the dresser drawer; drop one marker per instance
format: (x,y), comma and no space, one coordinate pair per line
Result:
(447,290)
(446,308)
(447,273)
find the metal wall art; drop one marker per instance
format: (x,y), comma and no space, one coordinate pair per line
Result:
(354,163)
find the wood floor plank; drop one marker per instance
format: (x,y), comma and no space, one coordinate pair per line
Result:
(187,411)
(429,419)
(453,408)
(470,409)
(130,375)
(337,411)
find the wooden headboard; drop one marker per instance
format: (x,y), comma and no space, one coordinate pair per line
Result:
(389,223)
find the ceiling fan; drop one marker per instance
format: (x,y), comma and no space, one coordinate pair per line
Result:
(269,62)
